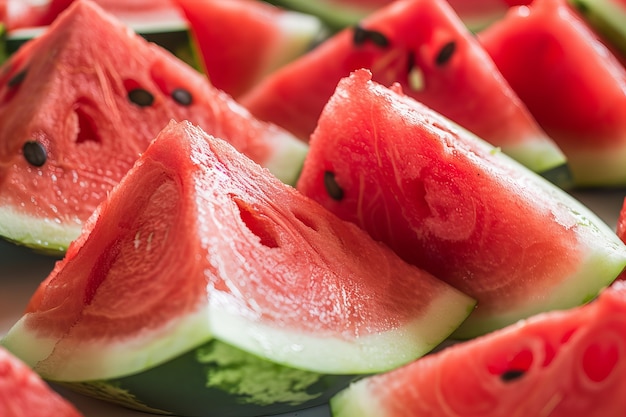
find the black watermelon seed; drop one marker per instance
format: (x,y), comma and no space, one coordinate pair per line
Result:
(141,97)
(445,53)
(17,79)
(511,375)
(332,188)
(362,35)
(35,153)
(182,96)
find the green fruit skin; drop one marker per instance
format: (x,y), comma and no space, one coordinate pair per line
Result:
(216,380)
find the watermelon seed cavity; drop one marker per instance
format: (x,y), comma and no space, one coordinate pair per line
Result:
(35,153)
(362,35)
(445,53)
(332,188)
(141,97)
(182,96)
(257,223)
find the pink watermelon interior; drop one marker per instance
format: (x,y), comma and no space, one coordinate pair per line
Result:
(572,83)
(86,111)
(567,363)
(196,225)
(23,392)
(425,47)
(445,201)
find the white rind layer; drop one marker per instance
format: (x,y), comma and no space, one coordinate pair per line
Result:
(96,360)
(49,235)
(375,352)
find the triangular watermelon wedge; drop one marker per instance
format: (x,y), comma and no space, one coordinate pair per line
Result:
(558,364)
(571,82)
(452,204)
(424,46)
(81,102)
(241,41)
(199,243)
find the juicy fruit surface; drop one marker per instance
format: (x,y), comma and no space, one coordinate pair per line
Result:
(24,393)
(450,203)
(562,363)
(570,81)
(93,103)
(265,269)
(423,46)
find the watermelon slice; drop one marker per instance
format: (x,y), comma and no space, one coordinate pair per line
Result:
(558,364)
(422,45)
(81,102)
(241,41)
(24,393)
(571,82)
(607,17)
(199,244)
(452,204)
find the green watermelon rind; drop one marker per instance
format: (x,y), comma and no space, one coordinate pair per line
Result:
(604,263)
(216,379)
(604,259)
(610,173)
(44,235)
(288,157)
(336,356)
(606,17)
(300,32)
(95,361)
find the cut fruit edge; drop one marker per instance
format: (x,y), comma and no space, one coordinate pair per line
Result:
(218,314)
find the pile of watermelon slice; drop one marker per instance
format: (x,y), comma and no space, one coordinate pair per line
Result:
(342,210)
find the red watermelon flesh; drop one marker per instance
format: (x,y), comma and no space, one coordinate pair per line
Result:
(24,394)
(558,364)
(423,45)
(199,242)
(571,82)
(241,41)
(82,101)
(450,203)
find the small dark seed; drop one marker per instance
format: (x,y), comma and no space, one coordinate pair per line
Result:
(445,53)
(17,79)
(362,35)
(511,375)
(141,97)
(332,188)
(182,96)
(35,153)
